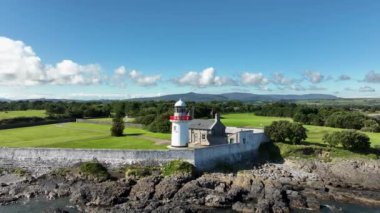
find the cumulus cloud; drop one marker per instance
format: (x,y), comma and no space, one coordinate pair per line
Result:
(69,72)
(118,77)
(205,78)
(372,77)
(120,71)
(280,79)
(366,89)
(254,79)
(20,66)
(315,88)
(143,80)
(344,77)
(314,77)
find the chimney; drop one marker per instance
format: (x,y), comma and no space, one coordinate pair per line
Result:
(217,118)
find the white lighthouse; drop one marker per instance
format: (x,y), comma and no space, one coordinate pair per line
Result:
(180,125)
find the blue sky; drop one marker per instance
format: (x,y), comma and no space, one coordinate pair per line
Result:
(118,49)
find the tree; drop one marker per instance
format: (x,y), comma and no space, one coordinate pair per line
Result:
(297,133)
(355,141)
(371,125)
(117,128)
(349,139)
(279,131)
(161,124)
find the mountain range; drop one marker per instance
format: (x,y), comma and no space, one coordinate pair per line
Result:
(236,96)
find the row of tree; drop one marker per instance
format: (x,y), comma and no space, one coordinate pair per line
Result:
(295,133)
(339,117)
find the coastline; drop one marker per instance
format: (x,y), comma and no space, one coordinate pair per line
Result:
(293,184)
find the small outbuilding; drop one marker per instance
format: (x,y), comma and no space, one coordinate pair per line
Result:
(207,132)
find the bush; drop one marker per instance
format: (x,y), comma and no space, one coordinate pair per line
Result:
(332,139)
(117,128)
(279,131)
(160,124)
(177,167)
(139,171)
(349,139)
(371,125)
(346,120)
(94,170)
(297,133)
(19,171)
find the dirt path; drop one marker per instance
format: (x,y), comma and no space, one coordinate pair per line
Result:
(157,140)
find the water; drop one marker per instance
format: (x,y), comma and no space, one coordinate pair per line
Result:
(38,206)
(338,207)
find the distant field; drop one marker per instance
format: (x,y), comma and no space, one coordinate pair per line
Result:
(80,135)
(315,133)
(344,101)
(26,113)
(109,119)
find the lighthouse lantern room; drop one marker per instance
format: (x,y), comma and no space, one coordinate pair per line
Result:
(180,125)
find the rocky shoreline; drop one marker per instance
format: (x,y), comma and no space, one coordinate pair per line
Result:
(294,184)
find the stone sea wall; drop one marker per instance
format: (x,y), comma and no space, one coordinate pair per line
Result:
(202,158)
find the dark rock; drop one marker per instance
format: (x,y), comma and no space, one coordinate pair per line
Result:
(167,188)
(144,188)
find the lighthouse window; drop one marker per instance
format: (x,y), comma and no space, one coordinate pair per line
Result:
(174,128)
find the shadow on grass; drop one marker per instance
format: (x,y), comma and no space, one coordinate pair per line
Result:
(313,143)
(370,151)
(132,134)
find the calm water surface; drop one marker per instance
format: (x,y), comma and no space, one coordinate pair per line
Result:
(39,205)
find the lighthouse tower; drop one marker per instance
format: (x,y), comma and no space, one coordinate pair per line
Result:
(180,125)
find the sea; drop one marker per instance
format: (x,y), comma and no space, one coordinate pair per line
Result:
(40,205)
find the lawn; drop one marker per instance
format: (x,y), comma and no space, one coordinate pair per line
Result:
(80,135)
(109,119)
(25,113)
(315,133)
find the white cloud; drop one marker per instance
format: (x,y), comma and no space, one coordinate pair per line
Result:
(20,66)
(344,77)
(204,78)
(143,80)
(315,88)
(280,79)
(120,71)
(314,77)
(297,87)
(372,77)
(253,79)
(69,72)
(366,89)
(118,77)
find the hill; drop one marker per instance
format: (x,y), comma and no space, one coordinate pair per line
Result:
(245,97)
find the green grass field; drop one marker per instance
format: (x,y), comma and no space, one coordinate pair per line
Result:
(80,135)
(26,113)
(315,133)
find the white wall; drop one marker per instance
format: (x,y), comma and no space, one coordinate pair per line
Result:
(202,158)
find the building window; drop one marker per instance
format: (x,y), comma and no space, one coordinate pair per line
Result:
(203,136)
(243,140)
(231,140)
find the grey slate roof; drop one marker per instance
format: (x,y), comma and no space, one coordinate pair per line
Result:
(201,124)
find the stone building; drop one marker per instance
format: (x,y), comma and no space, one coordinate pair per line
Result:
(207,132)
(239,135)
